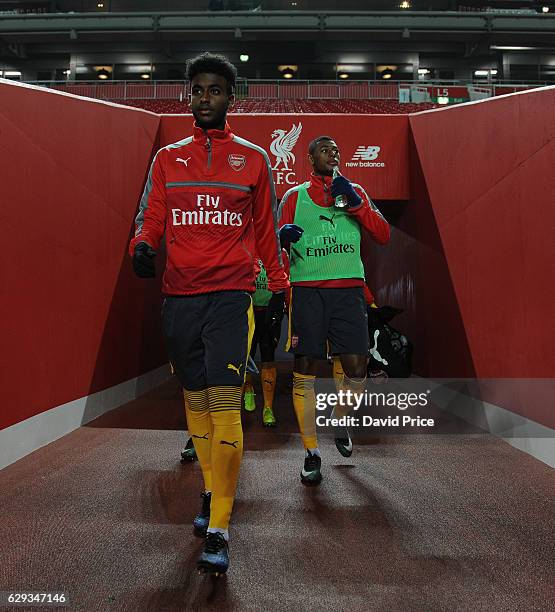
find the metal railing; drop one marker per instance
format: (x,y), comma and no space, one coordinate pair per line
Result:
(272,89)
(318,90)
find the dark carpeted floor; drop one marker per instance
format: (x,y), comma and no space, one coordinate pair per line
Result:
(416,522)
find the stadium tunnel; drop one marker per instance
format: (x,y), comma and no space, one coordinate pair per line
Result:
(470,253)
(468,190)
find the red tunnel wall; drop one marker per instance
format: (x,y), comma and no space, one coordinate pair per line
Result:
(492,192)
(472,257)
(74,318)
(384,173)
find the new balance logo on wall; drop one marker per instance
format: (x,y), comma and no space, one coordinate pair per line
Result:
(364,157)
(366,153)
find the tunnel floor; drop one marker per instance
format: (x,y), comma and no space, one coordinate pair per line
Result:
(415,522)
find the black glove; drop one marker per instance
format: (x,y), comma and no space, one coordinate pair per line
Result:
(274,315)
(143,260)
(290,233)
(340,186)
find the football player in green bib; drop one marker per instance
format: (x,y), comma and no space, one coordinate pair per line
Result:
(266,337)
(327,306)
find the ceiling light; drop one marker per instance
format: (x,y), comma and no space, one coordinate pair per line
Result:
(12,73)
(350,68)
(509,48)
(100,5)
(545,9)
(67,72)
(405,4)
(103,74)
(145,75)
(351,59)
(343,75)
(386,71)
(244,58)
(287,71)
(423,71)
(485,73)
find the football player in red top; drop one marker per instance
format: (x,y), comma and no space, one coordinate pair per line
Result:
(213,195)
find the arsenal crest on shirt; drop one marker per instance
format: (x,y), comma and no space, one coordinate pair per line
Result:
(237,162)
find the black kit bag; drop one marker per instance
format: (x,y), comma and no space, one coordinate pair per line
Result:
(390,351)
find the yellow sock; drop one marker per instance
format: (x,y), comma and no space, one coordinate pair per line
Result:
(268,375)
(338,373)
(304,403)
(248,388)
(200,430)
(187,408)
(344,383)
(227,451)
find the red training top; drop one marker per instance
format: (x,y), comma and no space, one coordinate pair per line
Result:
(214,196)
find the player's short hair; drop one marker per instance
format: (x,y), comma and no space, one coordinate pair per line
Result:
(215,64)
(314,143)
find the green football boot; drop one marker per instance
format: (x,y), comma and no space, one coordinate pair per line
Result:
(249,402)
(268,418)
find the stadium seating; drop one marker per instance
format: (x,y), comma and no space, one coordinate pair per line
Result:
(294,105)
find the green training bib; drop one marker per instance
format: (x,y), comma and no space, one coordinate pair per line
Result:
(262,294)
(330,245)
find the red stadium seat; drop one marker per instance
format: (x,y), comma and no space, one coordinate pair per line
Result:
(291,105)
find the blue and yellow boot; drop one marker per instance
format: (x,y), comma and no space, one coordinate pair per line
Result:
(201,520)
(189,453)
(214,558)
